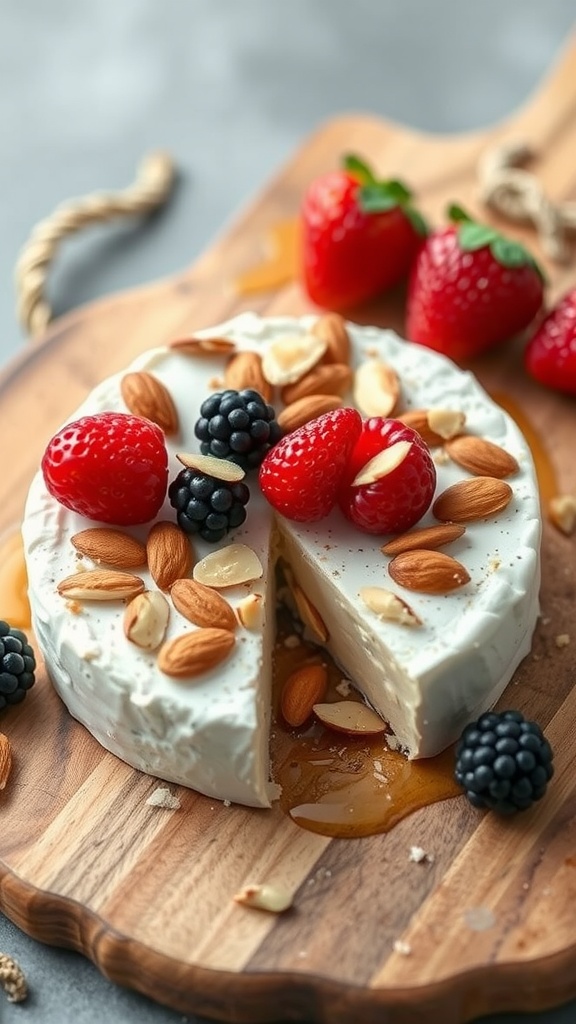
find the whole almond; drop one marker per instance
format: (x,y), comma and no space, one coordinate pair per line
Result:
(303,688)
(325,379)
(203,346)
(145,395)
(331,328)
(430,537)
(305,409)
(202,605)
(481,457)
(5,759)
(429,572)
(470,500)
(244,370)
(146,619)
(376,388)
(112,547)
(194,653)
(100,585)
(350,716)
(169,552)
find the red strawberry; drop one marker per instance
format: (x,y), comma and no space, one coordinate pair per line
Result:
(550,355)
(301,474)
(360,235)
(390,478)
(470,288)
(111,467)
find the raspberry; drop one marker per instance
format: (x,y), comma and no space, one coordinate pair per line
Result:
(238,426)
(401,490)
(503,762)
(207,506)
(111,467)
(301,475)
(17,665)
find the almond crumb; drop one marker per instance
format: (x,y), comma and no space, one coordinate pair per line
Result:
(162,797)
(264,897)
(562,640)
(562,512)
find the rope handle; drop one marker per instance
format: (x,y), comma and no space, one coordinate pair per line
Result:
(509,189)
(151,188)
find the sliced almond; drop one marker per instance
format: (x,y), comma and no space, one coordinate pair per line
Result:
(272,898)
(146,620)
(389,606)
(228,567)
(249,611)
(350,716)
(309,614)
(562,513)
(430,537)
(446,419)
(481,457)
(382,464)
(202,605)
(145,395)
(5,759)
(169,552)
(376,388)
(100,585)
(325,379)
(287,359)
(203,346)
(221,469)
(429,572)
(332,329)
(446,422)
(194,653)
(305,409)
(112,547)
(244,370)
(470,500)
(303,688)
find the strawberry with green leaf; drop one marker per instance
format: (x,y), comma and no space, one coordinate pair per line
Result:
(471,288)
(359,235)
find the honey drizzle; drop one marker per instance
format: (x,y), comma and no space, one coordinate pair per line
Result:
(545,473)
(14,604)
(281,265)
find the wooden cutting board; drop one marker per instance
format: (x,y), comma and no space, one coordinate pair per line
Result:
(146,892)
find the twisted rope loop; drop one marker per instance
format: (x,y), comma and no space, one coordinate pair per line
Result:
(12,979)
(514,192)
(150,190)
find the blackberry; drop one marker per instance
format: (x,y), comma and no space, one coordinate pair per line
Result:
(17,665)
(237,425)
(503,762)
(207,506)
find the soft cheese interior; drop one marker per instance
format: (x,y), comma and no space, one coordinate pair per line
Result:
(211,733)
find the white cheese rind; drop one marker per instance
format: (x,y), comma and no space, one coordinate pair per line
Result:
(211,733)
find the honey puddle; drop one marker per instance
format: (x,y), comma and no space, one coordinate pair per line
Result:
(281,265)
(14,605)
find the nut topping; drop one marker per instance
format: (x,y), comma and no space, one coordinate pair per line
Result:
(430,537)
(305,409)
(481,457)
(332,329)
(244,370)
(229,566)
(350,716)
(202,605)
(220,469)
(5,760)
(194,653)
(429,572)
(469,500)
(287,359)
(376,388)
(146,619)
(389,606)
(325,379)
(303,688)
(100,585)
(169,553)
(203,346)
(145,395)
(110,546)
(264,897)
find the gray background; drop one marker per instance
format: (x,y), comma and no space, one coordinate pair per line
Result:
(229,87)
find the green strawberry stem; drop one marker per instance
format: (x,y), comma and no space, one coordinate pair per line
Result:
(379,196)
(472,236)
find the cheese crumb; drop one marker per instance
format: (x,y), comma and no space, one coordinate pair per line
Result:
(562,640)
(162,797)
(401,947)
(344,687)
(419,856)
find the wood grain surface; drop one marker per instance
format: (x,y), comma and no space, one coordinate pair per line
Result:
(146,892)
